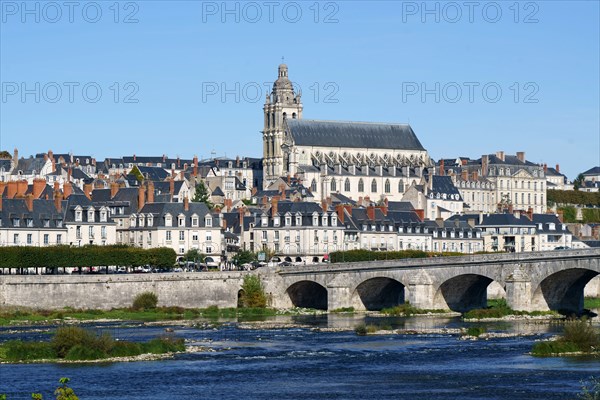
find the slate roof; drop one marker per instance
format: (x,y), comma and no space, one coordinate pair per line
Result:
(153,173)
(217,192)
(28,165)
(505,219)
(5,165)
(17,208)
(592,171)
(159,210)
(444,185)
(353,134)
(400,206)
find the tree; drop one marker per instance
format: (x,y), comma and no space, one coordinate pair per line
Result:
(201,195)
(253,293)
(195,255)
(243,257)
(578,182)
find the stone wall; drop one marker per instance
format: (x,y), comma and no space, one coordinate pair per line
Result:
(193,290)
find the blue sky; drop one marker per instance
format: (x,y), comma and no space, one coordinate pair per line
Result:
(162,68)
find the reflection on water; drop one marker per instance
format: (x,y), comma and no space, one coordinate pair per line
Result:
(302,363)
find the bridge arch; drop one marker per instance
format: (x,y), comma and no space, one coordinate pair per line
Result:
(308,294)
(376,293)
(563,290)
(464,292)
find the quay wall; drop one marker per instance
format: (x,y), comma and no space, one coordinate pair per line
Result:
(190,290)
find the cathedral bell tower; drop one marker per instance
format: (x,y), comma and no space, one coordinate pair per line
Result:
(282,103)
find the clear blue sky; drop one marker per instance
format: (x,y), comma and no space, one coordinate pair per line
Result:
(376,56)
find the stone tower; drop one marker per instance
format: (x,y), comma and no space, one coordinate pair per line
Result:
(282,103)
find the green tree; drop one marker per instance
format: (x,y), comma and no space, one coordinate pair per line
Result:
(135,171)
(578,182)
(243,257)
(253,294)
(195,255)
(63,392)
(201,195)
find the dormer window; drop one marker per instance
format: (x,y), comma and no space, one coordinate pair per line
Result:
(324,220)
(103,216)
(264,221)
(195,221)
(29,222)
(276,220)
(168,220)
(298,220)
(208,221)
(78,215)
(334,220)
(132,221)
(552,226)
(141,221)
(181,220)
(90,216)
(288,220)
(150,220)
(315,220)
(46,223)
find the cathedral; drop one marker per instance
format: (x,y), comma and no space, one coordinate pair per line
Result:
(354,159)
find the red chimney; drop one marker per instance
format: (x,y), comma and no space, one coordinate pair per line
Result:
(58,201)
(22,188)
(558,168)
(464,174)
(172,187)
(545,168)
(150,190)
(324,205)
(371,213)
(195,173)
(11,189)
(241,216)
(87,190)
(274,205)
(69,173)
(348,208)
(29,202)
(530,213)
(484,165)
(186,203)
(420,214)
(2,186)
(442,167)
(340,212)
(383,209)
(141,197)
(134,157)
(560,216)
(67,189)
(114,188)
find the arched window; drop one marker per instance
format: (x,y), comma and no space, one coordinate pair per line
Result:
(293,115)
(313,186)
(333,185)
(387,186)
(361,185)
(374,186)
(401,186)
(347,185)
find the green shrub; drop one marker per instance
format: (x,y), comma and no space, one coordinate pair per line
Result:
(163,345)
(401,310)
(582,334)
(81,352)
(361,330)
(475,331)
(253,294)
(145,301)
(125,349)
(553,347)
(71,336)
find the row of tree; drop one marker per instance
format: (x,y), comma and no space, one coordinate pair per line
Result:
(573,197)
(86,256)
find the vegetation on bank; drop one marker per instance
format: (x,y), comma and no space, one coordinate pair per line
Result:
(85,256)
(406,310)
(591,302)
(62,392)
(573,197)
(74,343)
(252,294)
(499,308)
(579,336)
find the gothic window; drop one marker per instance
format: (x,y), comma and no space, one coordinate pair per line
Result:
(313,186)
(401,186)
(293,115)
(387,186)
(374,186)
(333,185)
(361,185)
(347,185)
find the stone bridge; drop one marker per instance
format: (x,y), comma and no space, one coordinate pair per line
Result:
(552,280)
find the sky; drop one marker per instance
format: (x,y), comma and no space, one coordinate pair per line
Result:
(186,78)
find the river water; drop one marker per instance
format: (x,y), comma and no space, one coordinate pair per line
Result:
(303,363)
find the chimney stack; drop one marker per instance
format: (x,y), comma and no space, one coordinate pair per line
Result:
(340,212)
(29,202)
(58,201)
(558,168)
(11,189)
(186,203)
(560,216)
(21,188)
(274,205)
(150,190)
(464,174)
(421,214)
(141,197)
(484,164)
(39,185)
(324,205)
(114,188)
(371,212)
(195,173)
(2,186)
(500,155)
(442,167)
(475,176)
(16,156)
(1,198)
(172,188)
(521,156)
(67,189)
(530,213)
(545,168)
(87,190)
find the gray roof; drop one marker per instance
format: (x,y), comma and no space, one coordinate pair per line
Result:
(353,134)
(592,171)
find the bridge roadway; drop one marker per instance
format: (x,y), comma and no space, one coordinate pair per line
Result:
(551,280)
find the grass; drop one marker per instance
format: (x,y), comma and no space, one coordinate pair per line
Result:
(343,310)
(77,344)
(14,316)
(579,336)
(475,331)
(499,308)
(591,302)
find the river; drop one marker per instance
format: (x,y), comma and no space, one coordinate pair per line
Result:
(304,363)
